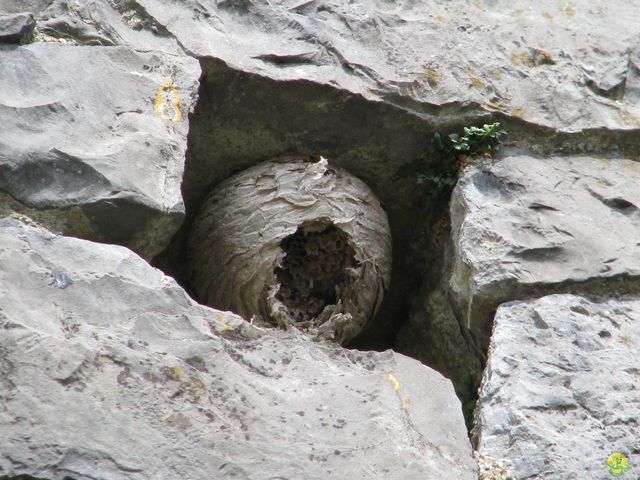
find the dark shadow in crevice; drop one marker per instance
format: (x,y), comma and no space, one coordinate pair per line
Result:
(314,272)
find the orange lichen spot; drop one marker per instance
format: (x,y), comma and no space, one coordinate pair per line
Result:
(547,15)
(569,11)
(440,18)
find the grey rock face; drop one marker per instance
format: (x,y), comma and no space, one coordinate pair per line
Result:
(559,65)
(121,375)
(296,244)
(525,226)
(560,392)
(93,140)
(16,28)
(92,145)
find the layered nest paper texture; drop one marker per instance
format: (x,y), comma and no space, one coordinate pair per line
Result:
(293,243)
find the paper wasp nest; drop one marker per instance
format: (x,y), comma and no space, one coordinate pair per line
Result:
(294,244)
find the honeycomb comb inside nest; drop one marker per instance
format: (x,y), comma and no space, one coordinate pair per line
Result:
(293,243)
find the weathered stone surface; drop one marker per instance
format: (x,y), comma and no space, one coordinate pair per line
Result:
(569,66)
(16,28)
(293,243)
(364,83)
(109,370)
(93,140)
(560,392)
(105,23)
(526,226)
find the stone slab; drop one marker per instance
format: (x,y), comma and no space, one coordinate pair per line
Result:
(109,370)
(560,393)
(94,140)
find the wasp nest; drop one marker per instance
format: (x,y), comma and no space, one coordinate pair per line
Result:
(293,243)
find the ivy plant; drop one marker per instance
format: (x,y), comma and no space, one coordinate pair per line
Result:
(477,140)
(453,152)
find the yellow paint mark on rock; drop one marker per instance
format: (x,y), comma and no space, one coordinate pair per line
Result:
(167,104)
(478,5)
(394,382)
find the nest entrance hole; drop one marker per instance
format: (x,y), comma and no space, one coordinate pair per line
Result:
(315,271)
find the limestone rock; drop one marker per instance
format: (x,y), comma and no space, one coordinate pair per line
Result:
(560,392)
(109,370)
(93,140)
(559,65)
(525,226)
(295,243)
(16,28)
(565,66)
